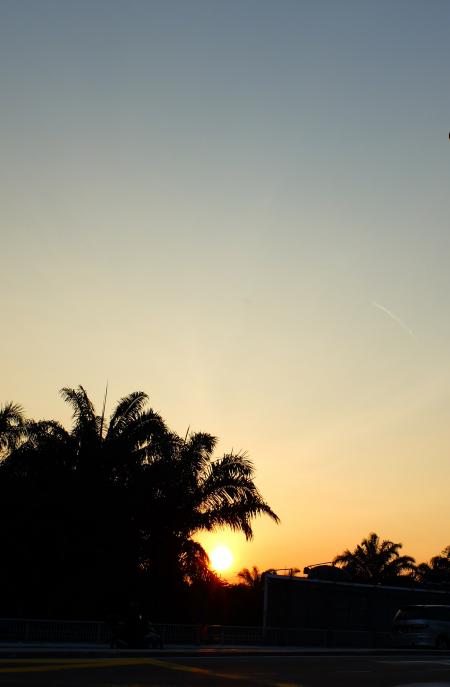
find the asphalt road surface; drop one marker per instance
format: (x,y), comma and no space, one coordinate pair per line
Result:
(229,671)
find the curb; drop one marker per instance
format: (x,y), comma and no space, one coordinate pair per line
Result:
(205,652)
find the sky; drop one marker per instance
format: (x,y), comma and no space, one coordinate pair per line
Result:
(242,208)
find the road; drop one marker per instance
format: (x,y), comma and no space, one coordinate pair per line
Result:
(229,671)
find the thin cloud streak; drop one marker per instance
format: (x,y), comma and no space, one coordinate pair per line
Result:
(395,318)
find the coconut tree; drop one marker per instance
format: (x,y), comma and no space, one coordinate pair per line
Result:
(66,496)
(375,560)
(94,447)
(183,490)
(11,426)
(114,448)
(254,579)
(191,491)
(250,578)
(437,570)
(122,497)
(174,482)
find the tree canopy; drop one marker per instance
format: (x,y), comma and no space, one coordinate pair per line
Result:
(437,571)
(375,560)
(107,510)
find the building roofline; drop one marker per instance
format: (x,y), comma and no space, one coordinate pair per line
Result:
(335,583)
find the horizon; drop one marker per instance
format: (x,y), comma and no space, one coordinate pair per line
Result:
(236,542)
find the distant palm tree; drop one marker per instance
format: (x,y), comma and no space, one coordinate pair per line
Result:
(255,579)
(437,570)
(375,560)
(250,578)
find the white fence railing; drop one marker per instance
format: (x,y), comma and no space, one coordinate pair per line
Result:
(27,630)
(99,633)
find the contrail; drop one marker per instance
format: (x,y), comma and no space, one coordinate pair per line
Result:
(395,318)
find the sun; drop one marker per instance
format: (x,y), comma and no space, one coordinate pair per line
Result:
(221,558)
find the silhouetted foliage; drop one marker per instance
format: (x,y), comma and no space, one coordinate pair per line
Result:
(103,514)
(254,579)
(375,561)
(247,596)
(437,571)
(11,426)
(250,578)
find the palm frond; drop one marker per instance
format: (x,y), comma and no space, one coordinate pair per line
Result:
(11,414)
(375,560)
(83,409)
(250,578)
(11,425)
(128,410)
(195,452)
(37,431)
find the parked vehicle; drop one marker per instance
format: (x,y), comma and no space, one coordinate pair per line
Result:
(425,626)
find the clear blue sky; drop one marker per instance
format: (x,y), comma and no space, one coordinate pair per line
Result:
(242,208)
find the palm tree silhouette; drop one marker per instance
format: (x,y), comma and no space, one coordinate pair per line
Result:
(254,579)
(75,488)
(11,426)
(189,491)
(93,450)
(437,570)
(204,493)
(250,578)
(117,447)
(375,560)
(177,479)
(119,501)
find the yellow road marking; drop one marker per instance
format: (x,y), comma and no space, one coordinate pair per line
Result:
(68,664)
(41,665)
(47,661)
